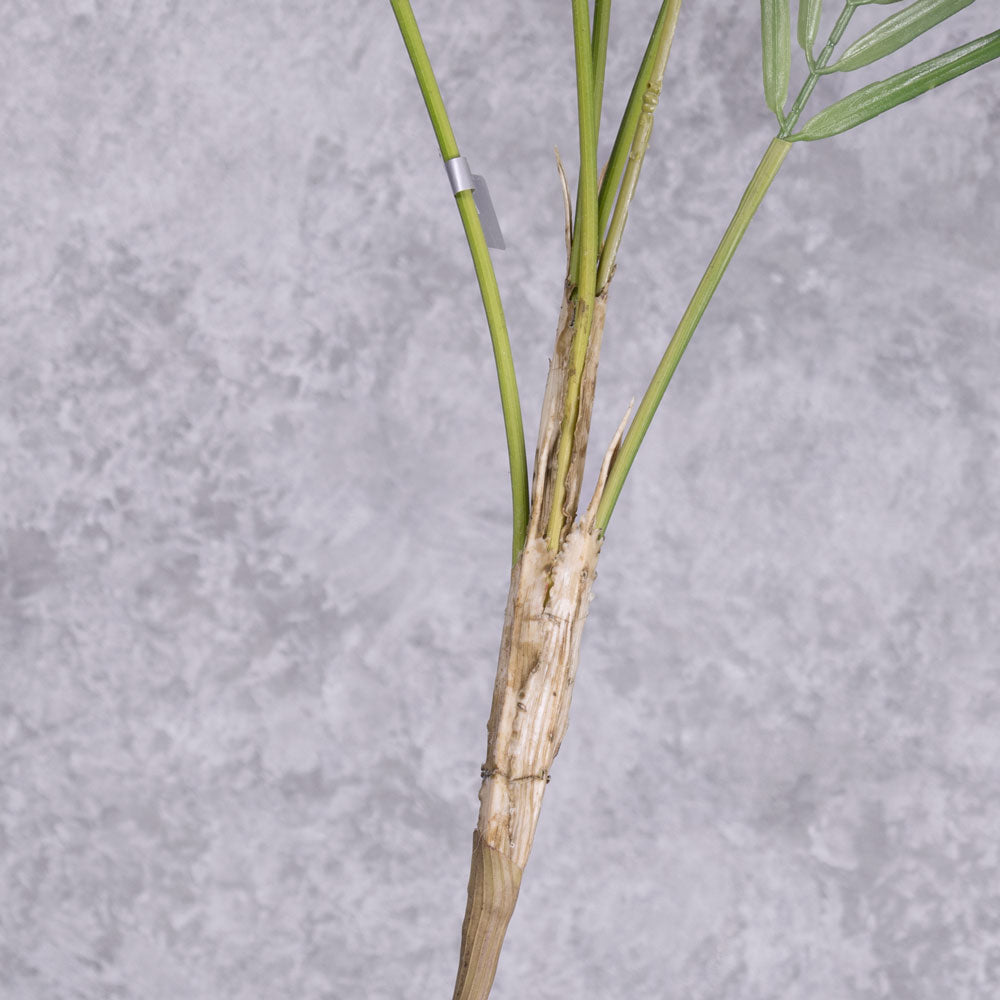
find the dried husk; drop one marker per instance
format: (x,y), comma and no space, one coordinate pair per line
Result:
(550,593)
(539,655)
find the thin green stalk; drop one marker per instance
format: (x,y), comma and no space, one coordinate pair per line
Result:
(584,234)
(599,57)
(626,130)
(752,197)
(640,143)
(815,70)
(509,398)
(598,60)
(425,78)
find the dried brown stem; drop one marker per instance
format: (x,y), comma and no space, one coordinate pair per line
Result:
(547,605)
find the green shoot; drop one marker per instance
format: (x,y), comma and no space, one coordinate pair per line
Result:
(509,398)
(842,115)
(752,197)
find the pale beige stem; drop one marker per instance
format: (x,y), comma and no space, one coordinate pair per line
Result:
(539,655)
(549,597)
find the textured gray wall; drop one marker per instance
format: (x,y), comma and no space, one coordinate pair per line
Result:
(255,530)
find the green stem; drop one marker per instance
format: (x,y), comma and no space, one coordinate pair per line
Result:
(640,143)
(816,70)
(626,130)
(585,235)
(598,61)
(599,57)
(509,397)
(425,78)
(752,197)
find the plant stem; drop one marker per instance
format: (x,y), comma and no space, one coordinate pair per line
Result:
(509,398)
(816,70)
(769,165)
(599,57)
(598,61)
(585,236)
(640,143)
(626,130)
(760,182)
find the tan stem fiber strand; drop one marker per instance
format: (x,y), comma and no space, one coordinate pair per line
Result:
(551,415)
(588,388)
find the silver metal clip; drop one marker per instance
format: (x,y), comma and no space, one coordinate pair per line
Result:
(463,179)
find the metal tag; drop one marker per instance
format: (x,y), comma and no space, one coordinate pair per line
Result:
(487,213)
(463,179)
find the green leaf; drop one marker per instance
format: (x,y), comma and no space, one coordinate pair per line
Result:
(809,14)
(877,97)
(895,31)
(776,47)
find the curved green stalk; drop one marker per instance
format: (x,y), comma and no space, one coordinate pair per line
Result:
(509,398)
(585,235)
(752,197)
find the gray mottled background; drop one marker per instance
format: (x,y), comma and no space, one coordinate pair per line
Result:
(254,535)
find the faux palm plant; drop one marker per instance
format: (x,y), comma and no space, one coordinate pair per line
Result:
(555,547)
